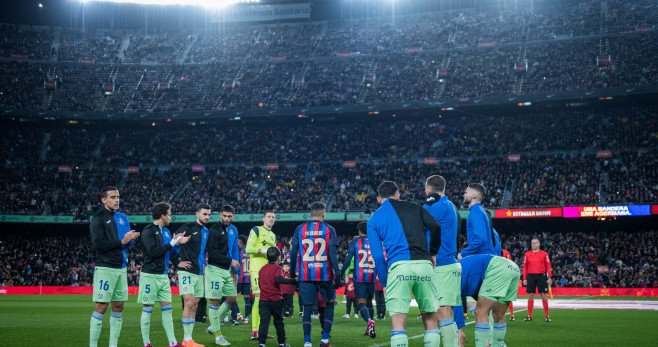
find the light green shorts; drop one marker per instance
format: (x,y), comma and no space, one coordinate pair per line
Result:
(153,288)
(408,276)
(110,284)
(219,282)
(501,281)
(189,283)
(448,281)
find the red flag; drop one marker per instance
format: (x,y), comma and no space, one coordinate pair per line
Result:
(513,157)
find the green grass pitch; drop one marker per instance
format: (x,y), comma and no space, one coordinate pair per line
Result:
(63,320)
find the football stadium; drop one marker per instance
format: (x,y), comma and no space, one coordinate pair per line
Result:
(329,173)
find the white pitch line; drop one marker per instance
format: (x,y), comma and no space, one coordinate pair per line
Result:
(468,323)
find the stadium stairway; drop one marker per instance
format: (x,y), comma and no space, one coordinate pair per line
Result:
(603,188)
(124,179)
(180,191)
(183,56)
(54,47)
(508,194)
(261,187)
(97,150)
(330,200)
(124,46)
(44,147)
(371,71)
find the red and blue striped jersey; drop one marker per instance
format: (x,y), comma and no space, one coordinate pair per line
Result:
(316,243)
(243,272)
(364,267)
(364,264)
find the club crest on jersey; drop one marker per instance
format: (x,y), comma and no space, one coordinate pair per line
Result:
(100,296)
(166,234)
(121,221)
(145,299)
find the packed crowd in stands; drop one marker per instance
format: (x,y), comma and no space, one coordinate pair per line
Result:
(24,42)
(458,28)
(618,259)
(558,162)
(381,79)
(102,47)
(426,57)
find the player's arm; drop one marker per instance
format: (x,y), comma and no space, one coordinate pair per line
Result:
(333,253)
(130,235)
(525,267)
(293,253)
(434,227)
(377,252)
(235,252)
(130,244)
(548,266)
(151,246)
(175,249)
(173,252)
(458,313)
(252,243)
(475,239)
(215,255)
(174,256)
(98,239)
(351,250)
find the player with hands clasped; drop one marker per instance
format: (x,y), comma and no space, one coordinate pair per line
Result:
(160,247)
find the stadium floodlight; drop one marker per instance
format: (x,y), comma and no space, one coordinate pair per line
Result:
(202,3)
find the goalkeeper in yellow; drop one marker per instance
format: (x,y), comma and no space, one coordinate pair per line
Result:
(260,239)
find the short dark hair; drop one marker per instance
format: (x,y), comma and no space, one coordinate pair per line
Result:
(478,188)
(273,254)
(160,209)
(436,183)
(285,263)
(200,207)
(387,189)
(228,208)
(243,238)
(268,211)
(317,208)
(362,227)
(107,189)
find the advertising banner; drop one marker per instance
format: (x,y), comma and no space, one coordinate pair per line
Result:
(263,13)
(529,213)
(606,211)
